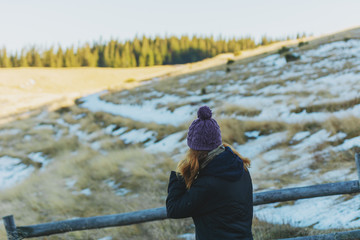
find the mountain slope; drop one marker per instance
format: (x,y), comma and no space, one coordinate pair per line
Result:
(112,151)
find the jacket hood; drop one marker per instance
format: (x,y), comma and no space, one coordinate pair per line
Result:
(227,165)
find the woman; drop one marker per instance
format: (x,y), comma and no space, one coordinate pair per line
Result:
(212,185)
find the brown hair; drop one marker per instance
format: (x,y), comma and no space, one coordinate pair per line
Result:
(189,167)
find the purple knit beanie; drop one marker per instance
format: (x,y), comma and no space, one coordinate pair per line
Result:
(204,133)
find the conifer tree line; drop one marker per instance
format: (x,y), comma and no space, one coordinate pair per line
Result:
(138,52)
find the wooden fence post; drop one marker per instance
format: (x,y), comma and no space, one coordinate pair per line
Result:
(10,227)
(357,160)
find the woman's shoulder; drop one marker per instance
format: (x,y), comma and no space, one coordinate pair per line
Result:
(228,153)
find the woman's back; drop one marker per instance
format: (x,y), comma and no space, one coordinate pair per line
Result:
(212,185)
(223,209)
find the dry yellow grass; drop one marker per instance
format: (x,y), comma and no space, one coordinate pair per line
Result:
(328,107)
(349,125)
(232,130)
(231,109)
(40,200)
(263,230)
(36,201)
(144,174)
(24,89)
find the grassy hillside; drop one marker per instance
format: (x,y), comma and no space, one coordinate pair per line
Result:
(112,151)
(24,89)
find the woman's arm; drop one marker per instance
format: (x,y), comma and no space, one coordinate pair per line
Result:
(182,203)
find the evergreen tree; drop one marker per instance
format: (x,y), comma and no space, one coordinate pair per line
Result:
(134,62)
(184,43)
(202,45)
(163,47)
(23,61)
(95,58)
(69,58)
(157,57)
(194,42)
(59,58)
(142,61)
(145,49)
(126,56)
(4,59)
(110,60)
(14,62)
(231,45)
(107,56)
(117,60)
(137,49)
(37,59)
(100,49)
(49,58)
(29,58)
(219,46)
(264,40)
(144,52)
(174,46)
(87,58)
(150,61)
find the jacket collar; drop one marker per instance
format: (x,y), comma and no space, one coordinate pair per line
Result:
(211,155)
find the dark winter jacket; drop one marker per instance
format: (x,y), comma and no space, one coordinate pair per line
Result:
(219,200)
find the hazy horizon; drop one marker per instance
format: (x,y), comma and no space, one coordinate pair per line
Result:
(66,23)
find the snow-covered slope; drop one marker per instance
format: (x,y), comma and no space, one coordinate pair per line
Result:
(324,75)
(329,73)
(313,102)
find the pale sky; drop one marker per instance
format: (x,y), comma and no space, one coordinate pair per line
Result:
(47,23)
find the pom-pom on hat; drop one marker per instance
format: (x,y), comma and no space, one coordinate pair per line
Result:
(204,133)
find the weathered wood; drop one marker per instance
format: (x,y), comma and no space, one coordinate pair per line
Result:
(93,222)
(160,213)
(10,228)
(349,235)
(357,160)
(288,194)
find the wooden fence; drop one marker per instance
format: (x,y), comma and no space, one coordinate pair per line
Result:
(115,220)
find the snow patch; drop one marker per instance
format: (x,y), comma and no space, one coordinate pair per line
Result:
(300,136)
(119,131)
(79,116)
(106,238)
(147,112)
(12,171)
(109,129)
(116,187)
(348,144)
(252,148)
(86,192)
(44,127)
(337,136)
(138,136)
(70,182)
(187,236)
(314,212)
(168,144)
(9,131)
(252,134)
(311,142)
(39,157)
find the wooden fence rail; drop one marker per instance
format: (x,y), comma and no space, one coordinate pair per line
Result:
(46,229)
